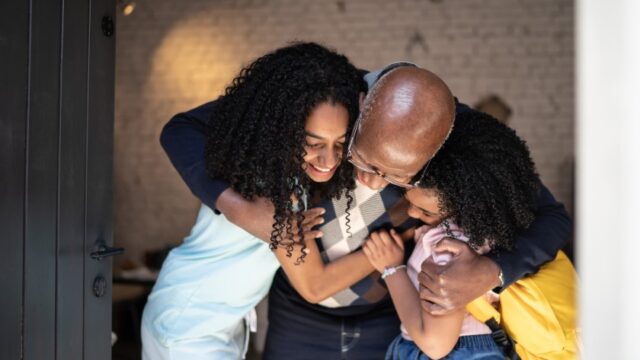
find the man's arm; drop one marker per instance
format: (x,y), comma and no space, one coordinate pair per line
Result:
(468,275)
(538,244)
(183,138)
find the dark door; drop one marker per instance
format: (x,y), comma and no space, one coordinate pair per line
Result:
(56,130)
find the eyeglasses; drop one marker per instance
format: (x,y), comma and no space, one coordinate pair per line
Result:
(369,170)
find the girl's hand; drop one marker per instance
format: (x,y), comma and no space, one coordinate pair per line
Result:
(384,249)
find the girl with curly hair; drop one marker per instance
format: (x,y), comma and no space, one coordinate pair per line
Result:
(278,137)
(481,188)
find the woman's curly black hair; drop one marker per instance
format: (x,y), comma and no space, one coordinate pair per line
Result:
(485,180)
(257,138)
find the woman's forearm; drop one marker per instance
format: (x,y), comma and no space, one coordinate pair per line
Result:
(315,280)
(342,273)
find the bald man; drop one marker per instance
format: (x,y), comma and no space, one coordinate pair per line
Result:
(406,117)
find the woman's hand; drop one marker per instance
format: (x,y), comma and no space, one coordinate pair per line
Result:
(384,249)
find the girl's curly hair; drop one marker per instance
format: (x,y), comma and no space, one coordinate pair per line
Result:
(485,180)
(257,135)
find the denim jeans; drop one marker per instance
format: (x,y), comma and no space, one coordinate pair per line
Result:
(473,347)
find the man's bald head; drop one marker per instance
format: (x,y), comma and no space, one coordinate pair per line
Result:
(407,116)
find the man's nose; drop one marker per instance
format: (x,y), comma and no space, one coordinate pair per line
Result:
(372,181)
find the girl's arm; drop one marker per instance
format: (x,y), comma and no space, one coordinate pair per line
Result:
(434,335)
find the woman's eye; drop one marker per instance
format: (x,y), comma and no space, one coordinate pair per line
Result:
(339,145)
(313,146)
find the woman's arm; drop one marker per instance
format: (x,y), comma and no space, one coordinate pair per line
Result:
(314,280)
(434,335)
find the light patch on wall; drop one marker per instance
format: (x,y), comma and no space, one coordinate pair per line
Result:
(192,62)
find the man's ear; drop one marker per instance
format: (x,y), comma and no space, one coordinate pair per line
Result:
(361,101)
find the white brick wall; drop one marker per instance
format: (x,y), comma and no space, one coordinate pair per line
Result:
(174,55)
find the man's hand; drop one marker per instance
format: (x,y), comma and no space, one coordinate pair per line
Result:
(384,249)
(312,218)
(445,288)
(256,216)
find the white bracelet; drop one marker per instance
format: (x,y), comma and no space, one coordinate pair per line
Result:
(392,270)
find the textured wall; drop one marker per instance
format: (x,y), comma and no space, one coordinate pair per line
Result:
(174,55)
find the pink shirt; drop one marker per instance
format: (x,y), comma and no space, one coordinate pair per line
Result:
(427,236)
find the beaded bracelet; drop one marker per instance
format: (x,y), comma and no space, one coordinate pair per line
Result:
(392,270)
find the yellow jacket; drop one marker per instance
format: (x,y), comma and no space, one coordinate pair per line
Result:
(538,312)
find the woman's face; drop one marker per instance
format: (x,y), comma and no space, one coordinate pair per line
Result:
(425,206)
(326,133)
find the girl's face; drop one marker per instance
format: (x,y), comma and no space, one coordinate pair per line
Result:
(326,133)
(425,206)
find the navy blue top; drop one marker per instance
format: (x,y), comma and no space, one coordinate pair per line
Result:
(184,136)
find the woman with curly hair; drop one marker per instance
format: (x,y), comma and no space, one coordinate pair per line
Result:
(481,188)
(279,137)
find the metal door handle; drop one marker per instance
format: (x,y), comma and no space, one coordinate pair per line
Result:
(105,251)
